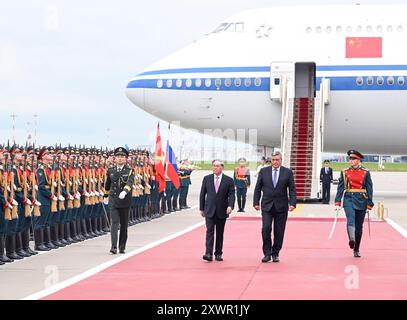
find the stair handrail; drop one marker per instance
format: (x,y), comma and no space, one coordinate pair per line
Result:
(284,117)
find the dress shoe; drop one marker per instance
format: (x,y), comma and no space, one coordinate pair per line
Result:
(1,263)
(41,247)
(351,244)
(31,252)
(5,259)
(207,257)
(276,258)
(356,254)
(23,254)
(218,257)
(113,251)
(122,251)
(266,259)
(14,256)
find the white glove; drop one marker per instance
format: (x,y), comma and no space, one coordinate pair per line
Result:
(92,194)
(36,187)
(38,204)
(337,208)
(70,183)
(9,205)
(15,203)
(122,195)
(55,184)
(97,194)
(61,198)
(8,188)
(70,197)
(87,194)
(28,201)
(54,198)
(86,181)
(101,193)
(78,196)
(106,201)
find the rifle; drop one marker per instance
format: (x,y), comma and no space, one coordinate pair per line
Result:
(7,210)
(99,174)
(68,180)
(27,207)
(53,202)
(75,178)
(37,212)
(91,179)
(59,181)
(84,179)
(14,214)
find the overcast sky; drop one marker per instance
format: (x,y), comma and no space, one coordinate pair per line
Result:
(69,62)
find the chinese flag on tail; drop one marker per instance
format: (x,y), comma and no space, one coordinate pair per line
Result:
(364,47)
(158,162)
(172,169)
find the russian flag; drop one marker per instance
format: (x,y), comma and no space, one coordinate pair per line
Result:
(172,169)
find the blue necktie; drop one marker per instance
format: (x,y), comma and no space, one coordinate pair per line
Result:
(275,178)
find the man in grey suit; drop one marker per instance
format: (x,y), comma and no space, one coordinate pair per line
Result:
(274,182)
(216,202)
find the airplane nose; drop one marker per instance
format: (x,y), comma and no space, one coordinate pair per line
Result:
(135,92)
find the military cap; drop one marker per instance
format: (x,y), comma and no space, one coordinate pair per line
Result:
(30,150)
(355,154)
(120,151)
(42,152)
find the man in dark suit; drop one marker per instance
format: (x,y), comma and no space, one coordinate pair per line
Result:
(216,202)
(326,178)
(119,182)
(274,181)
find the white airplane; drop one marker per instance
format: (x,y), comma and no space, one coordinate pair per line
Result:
(252,69)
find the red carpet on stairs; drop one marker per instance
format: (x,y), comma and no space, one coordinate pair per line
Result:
(311,267)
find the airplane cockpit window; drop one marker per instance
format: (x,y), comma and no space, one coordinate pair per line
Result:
(230,27)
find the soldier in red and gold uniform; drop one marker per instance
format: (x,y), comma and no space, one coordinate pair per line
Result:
(356,187)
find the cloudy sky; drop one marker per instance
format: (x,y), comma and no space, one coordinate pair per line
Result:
(69,62)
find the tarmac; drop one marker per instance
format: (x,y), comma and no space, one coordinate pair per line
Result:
(38,276)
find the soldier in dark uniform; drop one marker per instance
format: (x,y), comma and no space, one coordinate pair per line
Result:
(3,204)
(118,188)
(185,181)
(242,182)
(326,178)
(356,187)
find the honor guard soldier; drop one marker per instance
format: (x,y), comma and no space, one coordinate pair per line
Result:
(326,178)
(242,183)
(356,187)
(118,188)
(185,180)
(4,205)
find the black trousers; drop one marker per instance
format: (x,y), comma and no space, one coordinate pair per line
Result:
(326,191)
(279,219)
(119,216)
(212,224)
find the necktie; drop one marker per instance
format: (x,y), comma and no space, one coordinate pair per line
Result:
(275,178)
(217,184)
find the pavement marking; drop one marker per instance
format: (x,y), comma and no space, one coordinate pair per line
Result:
(397,227)
(66,283)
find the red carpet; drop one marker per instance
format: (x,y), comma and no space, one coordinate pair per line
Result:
(311,267)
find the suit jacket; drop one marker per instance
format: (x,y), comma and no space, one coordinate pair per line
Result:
(326,177)
(217,203)
(277,196)
(116,182)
